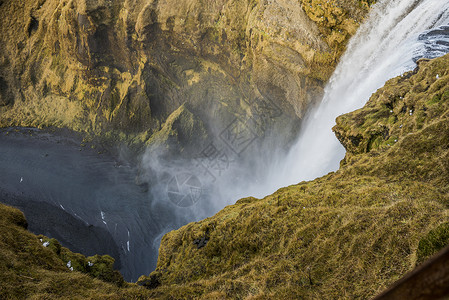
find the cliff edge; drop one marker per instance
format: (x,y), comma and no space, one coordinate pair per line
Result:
(348,234)
(119,69)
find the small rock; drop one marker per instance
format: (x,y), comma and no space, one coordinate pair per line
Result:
(150,282)
(201,243)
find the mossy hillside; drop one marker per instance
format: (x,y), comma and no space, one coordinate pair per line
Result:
(29,270)
(119,69)
(98,266)
(180,129)
(433,242)
(397,110)
(346,235)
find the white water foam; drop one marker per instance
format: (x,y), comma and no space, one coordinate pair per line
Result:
(386,45)
(396,33)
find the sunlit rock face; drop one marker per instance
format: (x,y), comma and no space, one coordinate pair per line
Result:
(390,194)
(177,76)
(125,66)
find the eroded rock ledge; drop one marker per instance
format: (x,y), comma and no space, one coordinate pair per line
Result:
(348,234)
(114,67)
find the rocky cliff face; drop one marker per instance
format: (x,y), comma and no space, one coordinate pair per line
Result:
(35,267)
(113,67)
(346,235)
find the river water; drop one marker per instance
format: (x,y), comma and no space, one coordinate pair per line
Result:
(91,202)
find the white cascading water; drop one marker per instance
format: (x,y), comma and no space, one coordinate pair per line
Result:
(385,46)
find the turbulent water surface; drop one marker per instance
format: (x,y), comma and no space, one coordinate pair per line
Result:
(92,203)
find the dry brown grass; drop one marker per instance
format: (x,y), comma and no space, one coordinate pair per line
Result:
(28,270)
(346,235)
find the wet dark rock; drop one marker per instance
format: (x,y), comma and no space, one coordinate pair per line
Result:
(200,243)
(436,43)
(150,282)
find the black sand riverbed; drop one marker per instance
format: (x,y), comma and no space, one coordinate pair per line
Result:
(88,201)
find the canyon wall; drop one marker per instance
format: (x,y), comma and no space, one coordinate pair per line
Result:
(348,234)
(119,69)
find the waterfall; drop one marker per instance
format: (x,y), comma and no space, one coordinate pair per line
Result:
(395,35)
(98,206)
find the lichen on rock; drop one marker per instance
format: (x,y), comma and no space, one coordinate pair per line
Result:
(114,68)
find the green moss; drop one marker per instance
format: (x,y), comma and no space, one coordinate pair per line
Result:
(433,242)
(102,267)
(346,235)
(55,246)
(31,268)
(395,110)
(445,95)
(434,100)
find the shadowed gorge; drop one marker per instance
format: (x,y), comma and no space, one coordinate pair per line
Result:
(173,79)
(130,129)
(114,67)
(346,235)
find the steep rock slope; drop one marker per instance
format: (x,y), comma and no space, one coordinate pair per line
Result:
(346,235)
(121,66)
(34,267)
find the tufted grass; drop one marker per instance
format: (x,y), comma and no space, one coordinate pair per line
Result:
(346,235)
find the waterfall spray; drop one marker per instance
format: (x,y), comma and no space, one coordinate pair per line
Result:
(396,34)
(394,37)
